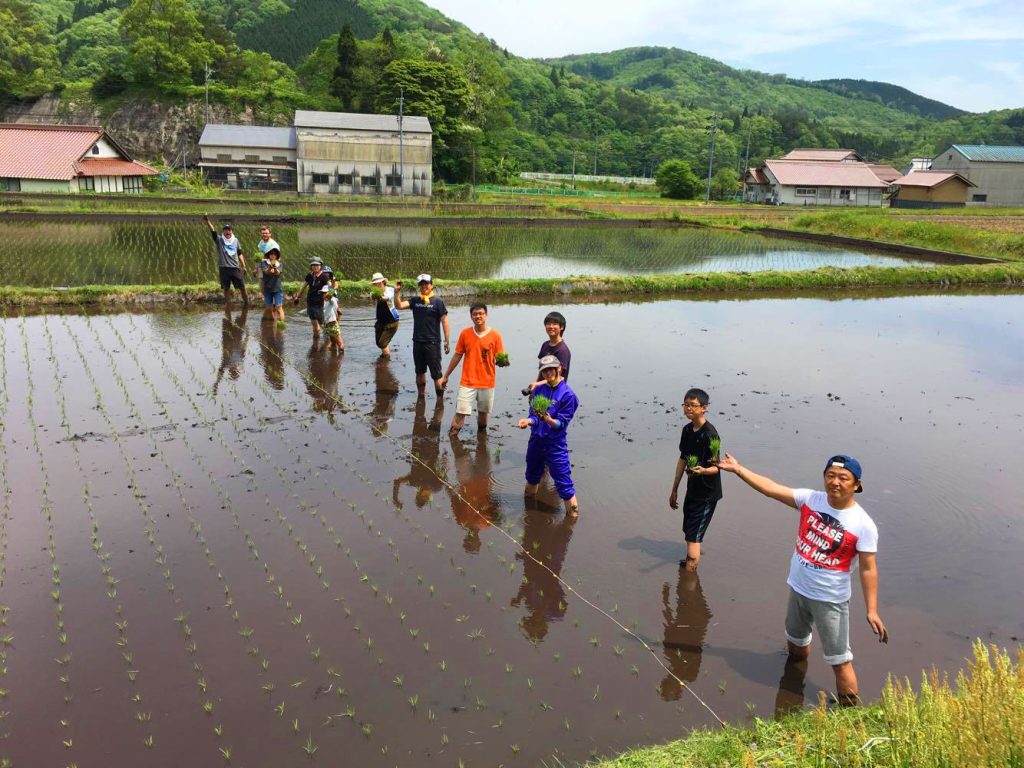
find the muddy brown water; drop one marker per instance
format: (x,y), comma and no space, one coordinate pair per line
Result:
(203,513)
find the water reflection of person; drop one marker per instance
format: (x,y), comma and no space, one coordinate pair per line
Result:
(234,337)
(685,626)
(387,387)
(272,354)
(426,446)
(790,696)
(474,507)
(546,538)
(322,384)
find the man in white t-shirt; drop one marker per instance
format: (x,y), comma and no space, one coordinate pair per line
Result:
(835,535)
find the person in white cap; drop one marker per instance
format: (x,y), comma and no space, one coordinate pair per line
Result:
(386,325)
(429,316)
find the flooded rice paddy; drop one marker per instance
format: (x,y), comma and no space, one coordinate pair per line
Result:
(221,543)
(59,253)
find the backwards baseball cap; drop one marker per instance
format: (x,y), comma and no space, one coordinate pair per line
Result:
(424,278)
(226,226)
(315,260)
(377,278)
(848,463)
(548,361)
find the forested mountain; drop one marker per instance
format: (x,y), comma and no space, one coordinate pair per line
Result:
(493,113)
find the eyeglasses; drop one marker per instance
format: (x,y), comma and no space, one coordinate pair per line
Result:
(692,406)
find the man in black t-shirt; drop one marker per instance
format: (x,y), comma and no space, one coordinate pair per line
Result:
(699,449)
(429,316)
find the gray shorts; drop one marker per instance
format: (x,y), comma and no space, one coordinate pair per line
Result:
(831,619)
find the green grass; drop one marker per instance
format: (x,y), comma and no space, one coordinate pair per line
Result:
(977,721)
(1008,274)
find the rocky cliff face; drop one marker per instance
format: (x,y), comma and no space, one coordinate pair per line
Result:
(150,131)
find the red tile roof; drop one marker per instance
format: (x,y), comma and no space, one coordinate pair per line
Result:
(816,173)
(113,166)
(756,176)
(821,155)
(930,179)
(44,152)
(885,172)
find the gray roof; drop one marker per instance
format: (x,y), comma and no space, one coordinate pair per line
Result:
(985,153)
(248,136)
(355,121)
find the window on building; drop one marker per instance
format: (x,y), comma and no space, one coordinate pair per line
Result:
(368,181)
(393,180)
(132,183)
(979,198)
(252,158)
(10,185)
(280,160)
(95,149)
(321,178)
(87,184)
(345,179)
(223,158)
(806,191)
(844,194)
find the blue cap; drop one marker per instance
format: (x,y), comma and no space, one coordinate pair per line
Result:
(848,463)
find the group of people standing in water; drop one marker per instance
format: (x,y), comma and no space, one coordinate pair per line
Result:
(835,534)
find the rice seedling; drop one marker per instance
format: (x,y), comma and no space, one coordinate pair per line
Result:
(540,404)
(715,446)
(501,360)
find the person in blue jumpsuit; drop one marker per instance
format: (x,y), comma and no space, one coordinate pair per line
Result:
(547,446)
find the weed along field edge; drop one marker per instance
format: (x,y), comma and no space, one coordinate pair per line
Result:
(260,551)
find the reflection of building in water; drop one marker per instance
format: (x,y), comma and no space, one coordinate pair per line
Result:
(233,339)
(387,389)
(322,384)
(426,447)
(474,507)
(685,626)
(272,354)
(546,538)
(347,235)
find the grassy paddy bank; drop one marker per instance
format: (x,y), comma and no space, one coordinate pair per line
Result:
(941,276)
(977,721)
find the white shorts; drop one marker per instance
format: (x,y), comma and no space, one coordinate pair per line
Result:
(484,399)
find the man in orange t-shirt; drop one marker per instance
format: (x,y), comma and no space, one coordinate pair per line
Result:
(480,345)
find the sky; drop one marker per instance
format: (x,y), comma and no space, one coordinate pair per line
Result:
(966,53)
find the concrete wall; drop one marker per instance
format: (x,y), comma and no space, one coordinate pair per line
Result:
(997,183)
(211,153)
(363,155)
(46,185)
(829,196)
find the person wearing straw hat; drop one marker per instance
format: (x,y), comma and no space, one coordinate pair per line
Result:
(834,535)
(548,426)
(386,325)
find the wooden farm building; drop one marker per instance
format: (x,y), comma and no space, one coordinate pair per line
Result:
(350,153)
(996,173)
(930,189)
(66,158)
(248,156)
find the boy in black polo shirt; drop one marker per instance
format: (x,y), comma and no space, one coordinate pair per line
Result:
(698,459)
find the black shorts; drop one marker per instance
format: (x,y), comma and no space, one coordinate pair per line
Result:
(426,356)
(697,515)
(315,312)
(231,276)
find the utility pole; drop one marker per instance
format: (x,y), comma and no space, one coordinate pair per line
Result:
(711,157)
(595,156)
(401,143)
(574,167)
(206,115)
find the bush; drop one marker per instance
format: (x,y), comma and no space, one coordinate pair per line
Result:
(675,179)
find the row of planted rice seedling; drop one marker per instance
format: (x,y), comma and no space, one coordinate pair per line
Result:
(179,252)
(254,594)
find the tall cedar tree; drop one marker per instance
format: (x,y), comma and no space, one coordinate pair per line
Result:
(344,84)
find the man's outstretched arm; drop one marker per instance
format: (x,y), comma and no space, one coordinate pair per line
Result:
(759,483)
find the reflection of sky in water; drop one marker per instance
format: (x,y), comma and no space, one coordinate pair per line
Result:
(567,266)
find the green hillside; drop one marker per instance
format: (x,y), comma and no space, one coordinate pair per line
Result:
(494,113)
